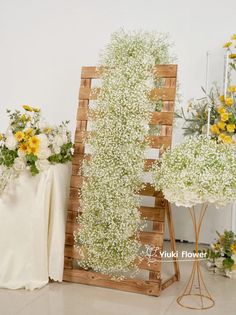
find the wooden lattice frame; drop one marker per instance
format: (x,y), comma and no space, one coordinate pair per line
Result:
(156,214)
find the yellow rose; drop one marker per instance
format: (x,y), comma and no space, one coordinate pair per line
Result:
(222,98)
(226,45)
(233,37)
(230,127)
(221,125)
(34,142)
(27,108)
(224,116)
(19,135)
(227,139)
(232,56)
(229,101)
(221,110)
(232,88)
(215,129)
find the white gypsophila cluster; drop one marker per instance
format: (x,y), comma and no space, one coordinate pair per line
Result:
(108,234)
(197,171)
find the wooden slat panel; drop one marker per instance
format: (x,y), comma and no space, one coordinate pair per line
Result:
(161,71)
(165,94)
(98,279)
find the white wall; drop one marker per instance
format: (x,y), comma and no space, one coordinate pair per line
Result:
(44,43)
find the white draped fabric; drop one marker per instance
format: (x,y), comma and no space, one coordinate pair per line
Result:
(32,228)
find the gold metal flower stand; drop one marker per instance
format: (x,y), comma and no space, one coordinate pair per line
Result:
(196,295)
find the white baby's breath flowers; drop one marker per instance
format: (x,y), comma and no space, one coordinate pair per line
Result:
(111,219)
(198,171)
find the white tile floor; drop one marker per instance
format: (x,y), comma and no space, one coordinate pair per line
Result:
(75,299)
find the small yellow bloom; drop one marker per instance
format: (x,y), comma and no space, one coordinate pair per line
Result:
(29,132)
(221,110)
(221,125)
(229,101)
(227,139)
(1,136)
(33,150)
(232,56)
(27,108)
(230,127)
(36,110)
(233,248)
(232,88)
(19,135)
(233,37)
(222,98)
(215,129)
(224,116)
(222,136)
(34,142)
(226,45)
(47,130)
(23,147)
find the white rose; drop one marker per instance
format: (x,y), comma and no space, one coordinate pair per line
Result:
(44,153)
(58,141)
(11,142)
(19,164)
(21,154)
(42,165)
(44,142)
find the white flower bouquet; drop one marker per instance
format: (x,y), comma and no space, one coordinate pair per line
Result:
(30,143)
(198,171)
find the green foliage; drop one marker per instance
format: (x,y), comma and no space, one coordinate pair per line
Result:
(7,157)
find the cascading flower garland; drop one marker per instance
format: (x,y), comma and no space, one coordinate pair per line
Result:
(108,234)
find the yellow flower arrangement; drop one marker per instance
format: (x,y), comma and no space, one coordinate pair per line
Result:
(229,101)
(230,128)
(19,135)
(23,147)
(222,98)
(33,150)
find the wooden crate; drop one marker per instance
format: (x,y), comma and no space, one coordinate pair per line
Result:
(157,214)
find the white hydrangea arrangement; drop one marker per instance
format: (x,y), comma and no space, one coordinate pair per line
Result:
(198,171)
(109,226)
(30,143)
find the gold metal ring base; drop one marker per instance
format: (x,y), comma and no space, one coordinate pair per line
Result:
(208,301)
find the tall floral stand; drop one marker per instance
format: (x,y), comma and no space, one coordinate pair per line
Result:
(196,295)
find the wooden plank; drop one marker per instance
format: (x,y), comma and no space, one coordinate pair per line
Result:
(153,213)
(98,279)
(152,238)
(165,71)
(157,142)
(165,94)
(161,71)
(162,118)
